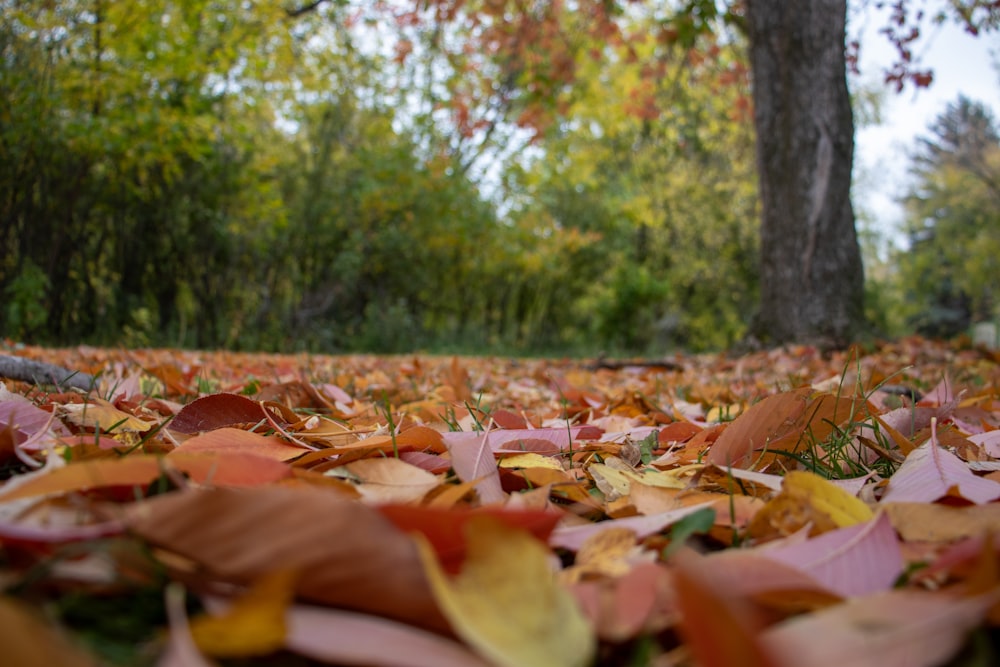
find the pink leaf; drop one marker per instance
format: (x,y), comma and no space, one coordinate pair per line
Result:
(896,628)
(11,531)
(429,462)
(942,394)
(930,473)
(989,441)
(858,560)
(908,420)
(26,420)
(472,459)
(749,572)
(348,638)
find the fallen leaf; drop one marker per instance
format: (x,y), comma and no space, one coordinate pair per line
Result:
(228,440)
(391,480)
(641,601)
(529,461)
(99,414)
(858,560)
(445,530)
(25,420)
(28,640)
(930,473)
(217,411)
(765,422)
(139,470)
(807,500)
(718,627)
(347,554)
(506,603)
(900,627)
(253,624)
(574,537)
(611,553)
(472,459)
(750,574)
(931,522)
(348,638)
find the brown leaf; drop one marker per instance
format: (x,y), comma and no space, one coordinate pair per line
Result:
(772,419)
(27,640)
(346,553)
(929,522)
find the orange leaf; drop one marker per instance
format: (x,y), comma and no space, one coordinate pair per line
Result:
(141,469)
(234,440)
(718,627)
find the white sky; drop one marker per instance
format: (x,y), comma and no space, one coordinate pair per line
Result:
(962,64)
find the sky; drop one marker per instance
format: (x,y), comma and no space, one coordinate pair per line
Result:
(962,64)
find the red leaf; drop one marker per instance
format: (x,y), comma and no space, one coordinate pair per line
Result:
(444,529)
(217,411)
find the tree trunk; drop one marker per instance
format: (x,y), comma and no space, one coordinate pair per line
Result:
(812,280)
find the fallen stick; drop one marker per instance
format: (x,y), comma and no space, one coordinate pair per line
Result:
(39,372)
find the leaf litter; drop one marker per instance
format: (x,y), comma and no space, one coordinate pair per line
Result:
(786,507)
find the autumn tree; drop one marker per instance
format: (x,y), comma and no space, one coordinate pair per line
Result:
(661,173)
(811,271)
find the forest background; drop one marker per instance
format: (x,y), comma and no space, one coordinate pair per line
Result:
(205,174)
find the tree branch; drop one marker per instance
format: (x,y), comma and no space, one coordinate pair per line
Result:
(39,372)
(304,9)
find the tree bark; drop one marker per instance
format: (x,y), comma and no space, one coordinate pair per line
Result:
(812,280)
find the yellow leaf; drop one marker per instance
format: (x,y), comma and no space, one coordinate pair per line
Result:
(807,499)
(529,460)
(609,553)
(617,480)
(101,414)
(255,623)
(667,479)
(506,603)
(827,497)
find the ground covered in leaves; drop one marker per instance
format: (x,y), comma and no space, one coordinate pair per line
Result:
(783,508)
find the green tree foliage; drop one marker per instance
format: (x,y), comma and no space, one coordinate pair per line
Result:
(660,172)
(953,222)
(200,173)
